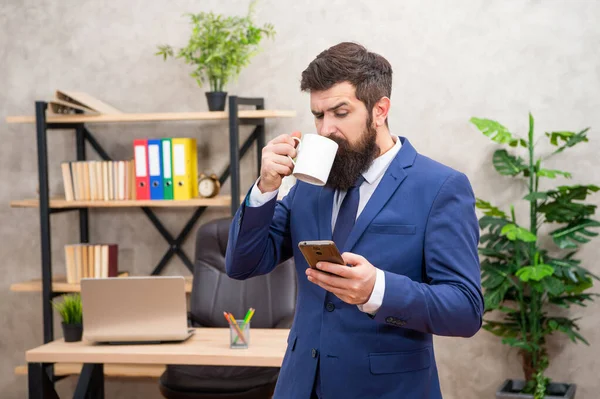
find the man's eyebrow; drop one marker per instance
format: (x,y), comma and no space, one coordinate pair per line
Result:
(331,109)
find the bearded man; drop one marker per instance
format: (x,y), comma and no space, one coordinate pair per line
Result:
(364,329)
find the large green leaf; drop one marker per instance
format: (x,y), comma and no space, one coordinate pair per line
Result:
(494,297)
(562,211)
(511,314)
(497,132)
(566,301)
(569,139)
(552,285)
(502,329)
(492,281)
(494,224)
(489,209)
(520,344)
(574,233)
(536,196)
(493,274)
(514,232)
(490,252)
(507,164)
(552,173)
(570,269)
(501,248)
(566,326)
(487,238)
(497,243)
(534,272)
(575,192)
(579,287)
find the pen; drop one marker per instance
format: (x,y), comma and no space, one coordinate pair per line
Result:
(247,315)
(247,318)
(237,328)
(251,314)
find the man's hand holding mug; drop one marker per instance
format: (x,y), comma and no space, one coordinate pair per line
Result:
(314,157)
(276,162)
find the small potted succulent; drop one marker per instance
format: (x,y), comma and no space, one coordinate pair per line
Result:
(70,311)
(218,48)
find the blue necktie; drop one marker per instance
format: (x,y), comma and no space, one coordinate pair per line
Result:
(343,225)
(347,214)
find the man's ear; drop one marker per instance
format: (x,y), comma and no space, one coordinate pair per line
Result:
(380,111)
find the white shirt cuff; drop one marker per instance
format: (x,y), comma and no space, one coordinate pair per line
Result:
(376,299)
(257,198)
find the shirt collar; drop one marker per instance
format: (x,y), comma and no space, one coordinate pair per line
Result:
(381,163)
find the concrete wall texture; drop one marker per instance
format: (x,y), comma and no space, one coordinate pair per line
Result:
(451,60)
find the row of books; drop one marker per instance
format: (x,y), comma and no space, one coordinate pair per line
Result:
(98,180)
(166,168)
(91,260)
(162,169)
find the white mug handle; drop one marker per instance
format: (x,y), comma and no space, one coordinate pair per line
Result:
(299,141)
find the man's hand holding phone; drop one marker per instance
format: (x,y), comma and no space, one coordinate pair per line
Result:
(352,285)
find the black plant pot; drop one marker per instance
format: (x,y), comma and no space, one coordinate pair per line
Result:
(216,100)
(72,332)
(510,389)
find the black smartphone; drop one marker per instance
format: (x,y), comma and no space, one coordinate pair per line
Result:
(320,251)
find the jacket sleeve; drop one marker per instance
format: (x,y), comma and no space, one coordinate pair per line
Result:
(449,302)
(259,238)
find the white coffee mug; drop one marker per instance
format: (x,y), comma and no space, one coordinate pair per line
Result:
(315,157)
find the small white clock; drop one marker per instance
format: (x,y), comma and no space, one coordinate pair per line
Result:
(208,186)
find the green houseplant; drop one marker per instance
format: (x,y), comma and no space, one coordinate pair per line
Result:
(525,282)
(70,311)
(218,48)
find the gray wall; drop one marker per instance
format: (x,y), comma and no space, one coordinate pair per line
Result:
(452,60)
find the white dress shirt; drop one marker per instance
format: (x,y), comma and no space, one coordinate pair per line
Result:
(372,177)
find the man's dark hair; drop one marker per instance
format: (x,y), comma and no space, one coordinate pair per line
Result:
(369,73)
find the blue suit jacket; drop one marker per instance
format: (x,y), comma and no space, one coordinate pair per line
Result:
(421,229)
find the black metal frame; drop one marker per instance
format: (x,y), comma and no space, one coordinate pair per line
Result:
(90,384)
(40,381)
(39,372)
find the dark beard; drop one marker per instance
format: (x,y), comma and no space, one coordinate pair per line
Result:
(351,161)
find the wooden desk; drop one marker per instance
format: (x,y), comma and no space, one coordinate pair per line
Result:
(208,346)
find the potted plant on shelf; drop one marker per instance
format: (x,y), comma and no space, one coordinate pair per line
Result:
(525,282)
(218,48)
(71,313)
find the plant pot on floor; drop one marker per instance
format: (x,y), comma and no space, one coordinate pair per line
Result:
(72,332)
(216,100)
(511,389)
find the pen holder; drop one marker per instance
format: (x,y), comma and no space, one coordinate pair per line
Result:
(239,335)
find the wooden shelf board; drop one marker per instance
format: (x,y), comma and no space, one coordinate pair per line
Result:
(153,117)
(110,370)
(222,200)
(59,284)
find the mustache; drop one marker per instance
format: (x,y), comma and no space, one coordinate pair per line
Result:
(343,144)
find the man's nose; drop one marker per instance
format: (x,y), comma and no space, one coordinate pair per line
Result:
(327,128)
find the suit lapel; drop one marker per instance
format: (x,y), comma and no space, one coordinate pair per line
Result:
(325,212)
(391,180)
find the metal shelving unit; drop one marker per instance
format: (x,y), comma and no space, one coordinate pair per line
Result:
(79,124)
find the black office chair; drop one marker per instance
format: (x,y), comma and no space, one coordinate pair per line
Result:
(213,292)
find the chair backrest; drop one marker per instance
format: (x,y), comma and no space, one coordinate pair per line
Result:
(213,292)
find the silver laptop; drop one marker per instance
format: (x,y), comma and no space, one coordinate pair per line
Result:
(127,310)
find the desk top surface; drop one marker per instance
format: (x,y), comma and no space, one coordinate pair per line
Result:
(208,346)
